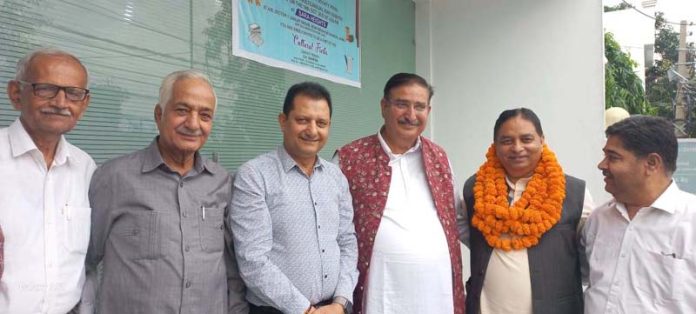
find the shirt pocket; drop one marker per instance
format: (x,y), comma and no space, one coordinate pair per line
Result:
(76,224)
(658,275)
(137,235)
(211,228)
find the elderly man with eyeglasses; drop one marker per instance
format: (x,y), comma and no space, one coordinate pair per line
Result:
(405,218)
(44,210)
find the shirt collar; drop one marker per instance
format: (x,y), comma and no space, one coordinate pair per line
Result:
(667,201)
(21,143)
(152,159)
(521,183)
(288,162)
(415,148)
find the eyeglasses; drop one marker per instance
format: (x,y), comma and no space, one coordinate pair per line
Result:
(403,105)
(49,91)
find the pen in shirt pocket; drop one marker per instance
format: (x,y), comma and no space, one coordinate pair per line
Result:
(66,211)
(672,255)
(203,212)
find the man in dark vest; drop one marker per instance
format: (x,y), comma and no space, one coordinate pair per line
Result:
(405,218)
(523,214)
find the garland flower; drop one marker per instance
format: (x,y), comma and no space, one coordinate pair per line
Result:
(520,225)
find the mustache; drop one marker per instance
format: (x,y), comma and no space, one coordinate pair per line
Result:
(58,111)
(606,173)
(188,132)
(306,137)
(407,121)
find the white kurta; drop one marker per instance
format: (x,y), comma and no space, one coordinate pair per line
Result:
(410,270)
(507,287)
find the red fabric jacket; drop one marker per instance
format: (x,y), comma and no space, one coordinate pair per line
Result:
(366,166)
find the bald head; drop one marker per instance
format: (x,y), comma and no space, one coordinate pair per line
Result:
(25,65)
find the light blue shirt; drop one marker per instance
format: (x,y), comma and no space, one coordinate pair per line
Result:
(293,234)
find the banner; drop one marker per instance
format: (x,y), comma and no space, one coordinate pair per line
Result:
(685,176)
(312,37)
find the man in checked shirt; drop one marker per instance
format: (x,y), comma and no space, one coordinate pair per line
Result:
(158,219)
(292,217)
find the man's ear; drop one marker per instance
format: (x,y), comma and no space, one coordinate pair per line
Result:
(654,163)
(158,113)
(383,104)
(282,118)
(14,93)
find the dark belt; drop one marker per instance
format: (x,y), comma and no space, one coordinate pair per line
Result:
(256,309)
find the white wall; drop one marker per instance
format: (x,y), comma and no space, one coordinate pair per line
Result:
(485,56)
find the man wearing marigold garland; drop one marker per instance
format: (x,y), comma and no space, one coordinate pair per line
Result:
(523,214)
(640,245)
(405,214)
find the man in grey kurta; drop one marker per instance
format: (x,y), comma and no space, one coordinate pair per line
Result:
(292,217)
(158,219)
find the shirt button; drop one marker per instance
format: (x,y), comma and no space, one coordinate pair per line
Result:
(184,214)
(322,250)
(326,276)
(188,284)
(319,227)
(315,203)
(187,248)
(181,184)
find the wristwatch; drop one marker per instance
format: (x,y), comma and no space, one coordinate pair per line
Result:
(347,306)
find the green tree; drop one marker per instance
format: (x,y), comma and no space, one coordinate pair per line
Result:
(618,7)
(623,87)
(660,91)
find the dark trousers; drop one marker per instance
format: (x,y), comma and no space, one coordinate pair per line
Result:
(256,309)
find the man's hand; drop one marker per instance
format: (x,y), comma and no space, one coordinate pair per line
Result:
(333,308)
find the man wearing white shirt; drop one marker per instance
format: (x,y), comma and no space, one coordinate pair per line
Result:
(44,210)
(640,245)
(405,215)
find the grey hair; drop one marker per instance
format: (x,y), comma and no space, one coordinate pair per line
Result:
(166,89)
(24,63)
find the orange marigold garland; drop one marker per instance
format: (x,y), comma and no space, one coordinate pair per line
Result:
(521,224)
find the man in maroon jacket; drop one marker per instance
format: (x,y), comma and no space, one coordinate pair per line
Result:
(405,220)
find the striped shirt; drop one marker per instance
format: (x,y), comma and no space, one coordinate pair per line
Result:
(161,237)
